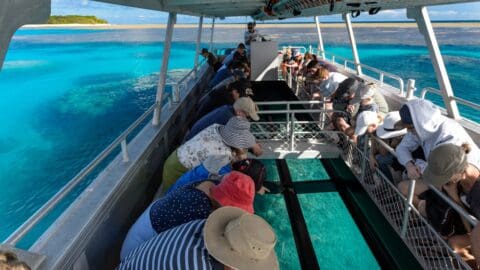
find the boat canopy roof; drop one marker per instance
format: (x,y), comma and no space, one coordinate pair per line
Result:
(275,9)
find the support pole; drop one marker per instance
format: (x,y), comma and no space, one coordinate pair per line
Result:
(420,15)
(199,39)
(321,49)
(353,43)
(163,70)
(211,35)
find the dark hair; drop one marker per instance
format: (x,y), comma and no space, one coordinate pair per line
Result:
(241,45)
(312,64)
(253,168)
(204,50)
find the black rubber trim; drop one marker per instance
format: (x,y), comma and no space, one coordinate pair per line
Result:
(305,250)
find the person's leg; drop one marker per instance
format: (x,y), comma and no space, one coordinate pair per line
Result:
(462,246)
(384,162)
(140,232)
(420,187)
(172,170)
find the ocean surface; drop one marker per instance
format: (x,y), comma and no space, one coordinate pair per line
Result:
(66,94)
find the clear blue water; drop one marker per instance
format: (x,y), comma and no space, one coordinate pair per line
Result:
(66,94)
(337,241)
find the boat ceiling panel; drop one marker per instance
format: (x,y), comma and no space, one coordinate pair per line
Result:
(275,9)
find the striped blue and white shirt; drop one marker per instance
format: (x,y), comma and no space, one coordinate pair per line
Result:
(181,247)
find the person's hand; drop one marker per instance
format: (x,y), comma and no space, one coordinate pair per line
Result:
(413,171)
(263,190)
(373,163)
(350,108)
(257,150)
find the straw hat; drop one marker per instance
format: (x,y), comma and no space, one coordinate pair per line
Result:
(387,129)
(240,240)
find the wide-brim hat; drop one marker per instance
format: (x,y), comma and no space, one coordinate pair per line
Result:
(240,240)
(443,162)
(388,128)
(236,133)
(236,189)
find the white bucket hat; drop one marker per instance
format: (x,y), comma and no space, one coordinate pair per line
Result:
(387,130)
(240,240)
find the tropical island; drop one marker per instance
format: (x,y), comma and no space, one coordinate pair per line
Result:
(75,19)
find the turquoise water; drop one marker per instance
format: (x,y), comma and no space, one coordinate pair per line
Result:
(62,104)
(337,241)
(66,94)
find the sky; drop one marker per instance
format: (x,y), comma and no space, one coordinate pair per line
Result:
(116,14)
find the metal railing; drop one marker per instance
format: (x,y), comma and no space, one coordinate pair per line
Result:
(422,239)
(121,141)
(462,101)
(301,49)
(334,60)
(381,74)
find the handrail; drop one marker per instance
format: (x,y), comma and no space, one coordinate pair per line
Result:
(296,47)
(472,220)
(294,102)
(457,99)
(25,228)
(382,74)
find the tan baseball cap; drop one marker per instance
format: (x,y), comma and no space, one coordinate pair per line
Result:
(247,105)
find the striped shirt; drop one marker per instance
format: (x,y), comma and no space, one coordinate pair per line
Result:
(181,247)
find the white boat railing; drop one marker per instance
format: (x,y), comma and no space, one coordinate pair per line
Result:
(381,74)
(462,101)
(423,240)
(121,141)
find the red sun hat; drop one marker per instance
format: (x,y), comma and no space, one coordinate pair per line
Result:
(235,189)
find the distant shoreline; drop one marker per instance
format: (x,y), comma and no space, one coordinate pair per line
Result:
(260,26)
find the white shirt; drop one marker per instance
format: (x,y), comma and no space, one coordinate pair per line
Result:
(207,142)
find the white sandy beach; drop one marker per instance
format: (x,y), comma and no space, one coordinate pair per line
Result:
(260,26)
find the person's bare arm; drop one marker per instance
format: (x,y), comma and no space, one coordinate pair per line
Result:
(257,150)
(475,239)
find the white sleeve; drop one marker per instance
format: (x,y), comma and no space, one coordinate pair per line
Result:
(404,150)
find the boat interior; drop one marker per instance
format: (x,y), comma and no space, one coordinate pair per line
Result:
(124,178)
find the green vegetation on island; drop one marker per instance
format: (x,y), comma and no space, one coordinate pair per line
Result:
(75,19)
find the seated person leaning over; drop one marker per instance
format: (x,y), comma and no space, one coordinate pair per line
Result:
(215,140)
(226,72)
(214,167)
(212,59)
(325,83)
(449,169)
(221,242)
(427,128)
(243,107)
(367,103)
(190,202)
(381,157)
(223,96)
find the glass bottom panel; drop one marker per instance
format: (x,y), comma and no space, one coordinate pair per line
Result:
(337,241)
(273,209)
(306,170)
